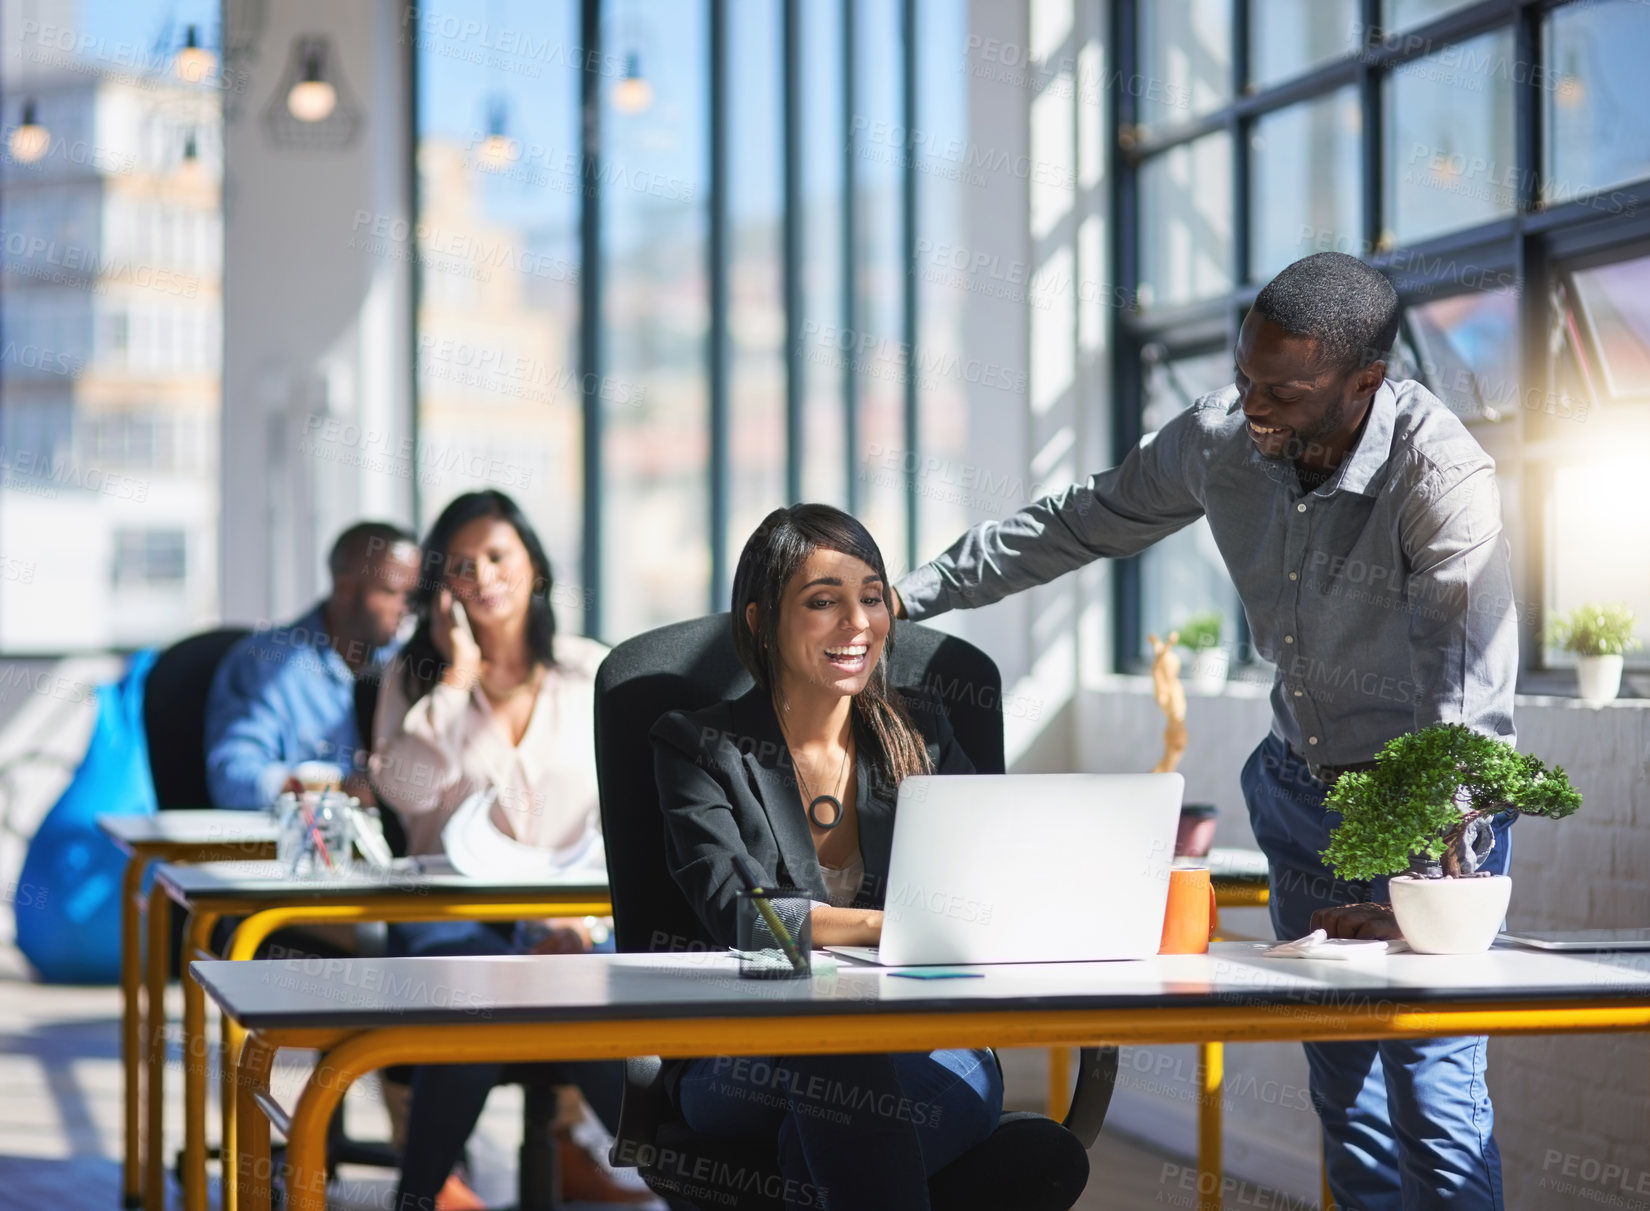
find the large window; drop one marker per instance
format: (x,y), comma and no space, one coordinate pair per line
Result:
(1186,51)
(1305,179)
(1448,161)
(1186,223)
(1288,37)
(822,172)
(700,219)
(653,185)
(1594,106)
(944,502)
(1595,424)
(111,160)
(878,360)
(1465,348)
(756,268)
(1493,157)
(1612,300)
(1184,577)
(500,399)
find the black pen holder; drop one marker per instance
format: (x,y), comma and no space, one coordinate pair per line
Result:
(775,936)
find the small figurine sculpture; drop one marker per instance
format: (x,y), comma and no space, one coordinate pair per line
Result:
(1171,699)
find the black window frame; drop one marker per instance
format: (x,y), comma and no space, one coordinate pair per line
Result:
(1533,244)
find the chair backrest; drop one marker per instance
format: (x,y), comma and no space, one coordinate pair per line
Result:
(366,705)
(690,665)
(366,713)
(174,716)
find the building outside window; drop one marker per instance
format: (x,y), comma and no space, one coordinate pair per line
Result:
(499,398)
(110,322)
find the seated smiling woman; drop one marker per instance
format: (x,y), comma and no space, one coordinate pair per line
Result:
(800,776)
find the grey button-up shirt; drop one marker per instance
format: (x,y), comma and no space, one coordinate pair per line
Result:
(1384,597)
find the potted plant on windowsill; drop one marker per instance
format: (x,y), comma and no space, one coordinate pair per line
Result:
(1210,661)
(1425,809)
(1598,635)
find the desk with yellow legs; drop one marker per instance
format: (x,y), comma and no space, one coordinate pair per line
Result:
(1242,880)
(365,1014)
(171,836)
(266,900)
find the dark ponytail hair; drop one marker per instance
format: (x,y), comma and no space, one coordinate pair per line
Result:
(772,556)
(424,665)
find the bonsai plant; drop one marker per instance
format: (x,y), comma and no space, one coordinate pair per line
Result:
(1201,635)
(1598,635)
(1425,809)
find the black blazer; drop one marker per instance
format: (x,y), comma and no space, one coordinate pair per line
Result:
(727,786)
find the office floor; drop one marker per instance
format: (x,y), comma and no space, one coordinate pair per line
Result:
(60,1113)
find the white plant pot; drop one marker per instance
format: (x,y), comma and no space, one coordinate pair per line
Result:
(1598,678)
(1450,916)
(1209,669)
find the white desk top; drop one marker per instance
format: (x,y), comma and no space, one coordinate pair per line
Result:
(204,827)
(362,993)
(267,881)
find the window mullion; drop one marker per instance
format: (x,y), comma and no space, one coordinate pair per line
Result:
(719,358)
(590,307)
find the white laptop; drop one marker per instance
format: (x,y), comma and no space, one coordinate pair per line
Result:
(1027,868)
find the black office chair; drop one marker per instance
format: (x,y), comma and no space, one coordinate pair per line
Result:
(174,727)
(366,711)
(1030,1163)
(174,716)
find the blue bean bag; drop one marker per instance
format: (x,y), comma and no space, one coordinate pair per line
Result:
(68,897)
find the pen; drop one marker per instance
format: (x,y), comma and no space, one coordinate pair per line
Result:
(752,879)
(315,832)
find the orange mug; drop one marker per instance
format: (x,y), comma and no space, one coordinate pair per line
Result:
(1189,918)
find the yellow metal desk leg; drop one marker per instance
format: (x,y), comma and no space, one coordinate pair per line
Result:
(1059,1082)
(1211,1073)
(1328,1198)
(250,1161)
(197,937)
(244,941)
(157,962)
(231,1039)
(306,1142)
(131,1027)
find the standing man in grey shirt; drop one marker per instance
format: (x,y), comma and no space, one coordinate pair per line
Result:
(1361,525)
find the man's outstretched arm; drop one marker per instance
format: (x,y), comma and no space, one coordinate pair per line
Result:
(1115,514)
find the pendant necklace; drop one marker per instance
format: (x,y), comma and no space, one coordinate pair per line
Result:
(815,800)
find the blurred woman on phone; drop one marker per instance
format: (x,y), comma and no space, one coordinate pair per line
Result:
(487,697)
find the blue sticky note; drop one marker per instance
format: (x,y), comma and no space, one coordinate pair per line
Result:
(939,973)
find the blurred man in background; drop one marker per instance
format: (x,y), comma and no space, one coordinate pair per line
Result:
(286,695)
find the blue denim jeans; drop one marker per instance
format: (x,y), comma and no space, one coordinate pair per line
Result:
(855,1132)
(1407,1123)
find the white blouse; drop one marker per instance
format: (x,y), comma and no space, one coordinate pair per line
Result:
(429,757)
